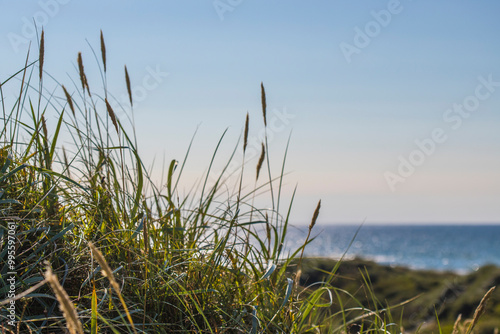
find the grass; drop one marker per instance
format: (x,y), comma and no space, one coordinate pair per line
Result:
(101,248)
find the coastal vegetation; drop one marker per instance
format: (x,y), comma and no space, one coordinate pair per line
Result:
(99,247)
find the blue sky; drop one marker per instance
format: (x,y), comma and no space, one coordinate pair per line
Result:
(352,118)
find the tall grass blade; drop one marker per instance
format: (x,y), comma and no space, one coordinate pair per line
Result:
(93,314)
(271,266)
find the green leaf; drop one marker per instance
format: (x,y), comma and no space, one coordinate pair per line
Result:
(288,292)
(7,164)
(12,172)
(9,201)
(56,135)
(270,269)
(93,315)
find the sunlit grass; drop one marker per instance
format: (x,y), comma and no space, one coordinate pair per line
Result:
(131,256)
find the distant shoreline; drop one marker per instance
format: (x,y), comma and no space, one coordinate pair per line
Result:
(458,248)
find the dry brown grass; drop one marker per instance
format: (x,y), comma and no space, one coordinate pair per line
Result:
(68,309)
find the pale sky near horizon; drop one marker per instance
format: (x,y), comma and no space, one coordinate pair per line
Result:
(392,106)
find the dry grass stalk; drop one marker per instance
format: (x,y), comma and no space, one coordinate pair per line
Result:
(70,100)
(106,272)
(112,115)
(41,54)
(129,90)
(245,137)
(68,309)
(298,274)
(103,51)
(457,323)
(480,309)
(261,161)
(264,104)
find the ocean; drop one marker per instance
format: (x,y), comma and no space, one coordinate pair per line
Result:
(458,248)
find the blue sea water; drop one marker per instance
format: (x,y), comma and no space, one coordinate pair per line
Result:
(459,248)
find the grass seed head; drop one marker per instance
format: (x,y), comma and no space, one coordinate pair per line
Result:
(245,137)
(480,309)
(264,104)
(83,79)
(261,160)
(112,115)
(103,51)
(68,309)
(70,100)
(129,90)
(457,324)
(42,53)
(315,216)
(106,271)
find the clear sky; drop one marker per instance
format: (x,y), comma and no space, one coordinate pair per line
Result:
(392,105)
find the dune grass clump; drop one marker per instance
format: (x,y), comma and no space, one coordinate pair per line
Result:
(129,256)
(168,264)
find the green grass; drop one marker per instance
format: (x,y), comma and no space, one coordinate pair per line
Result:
(134,256)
